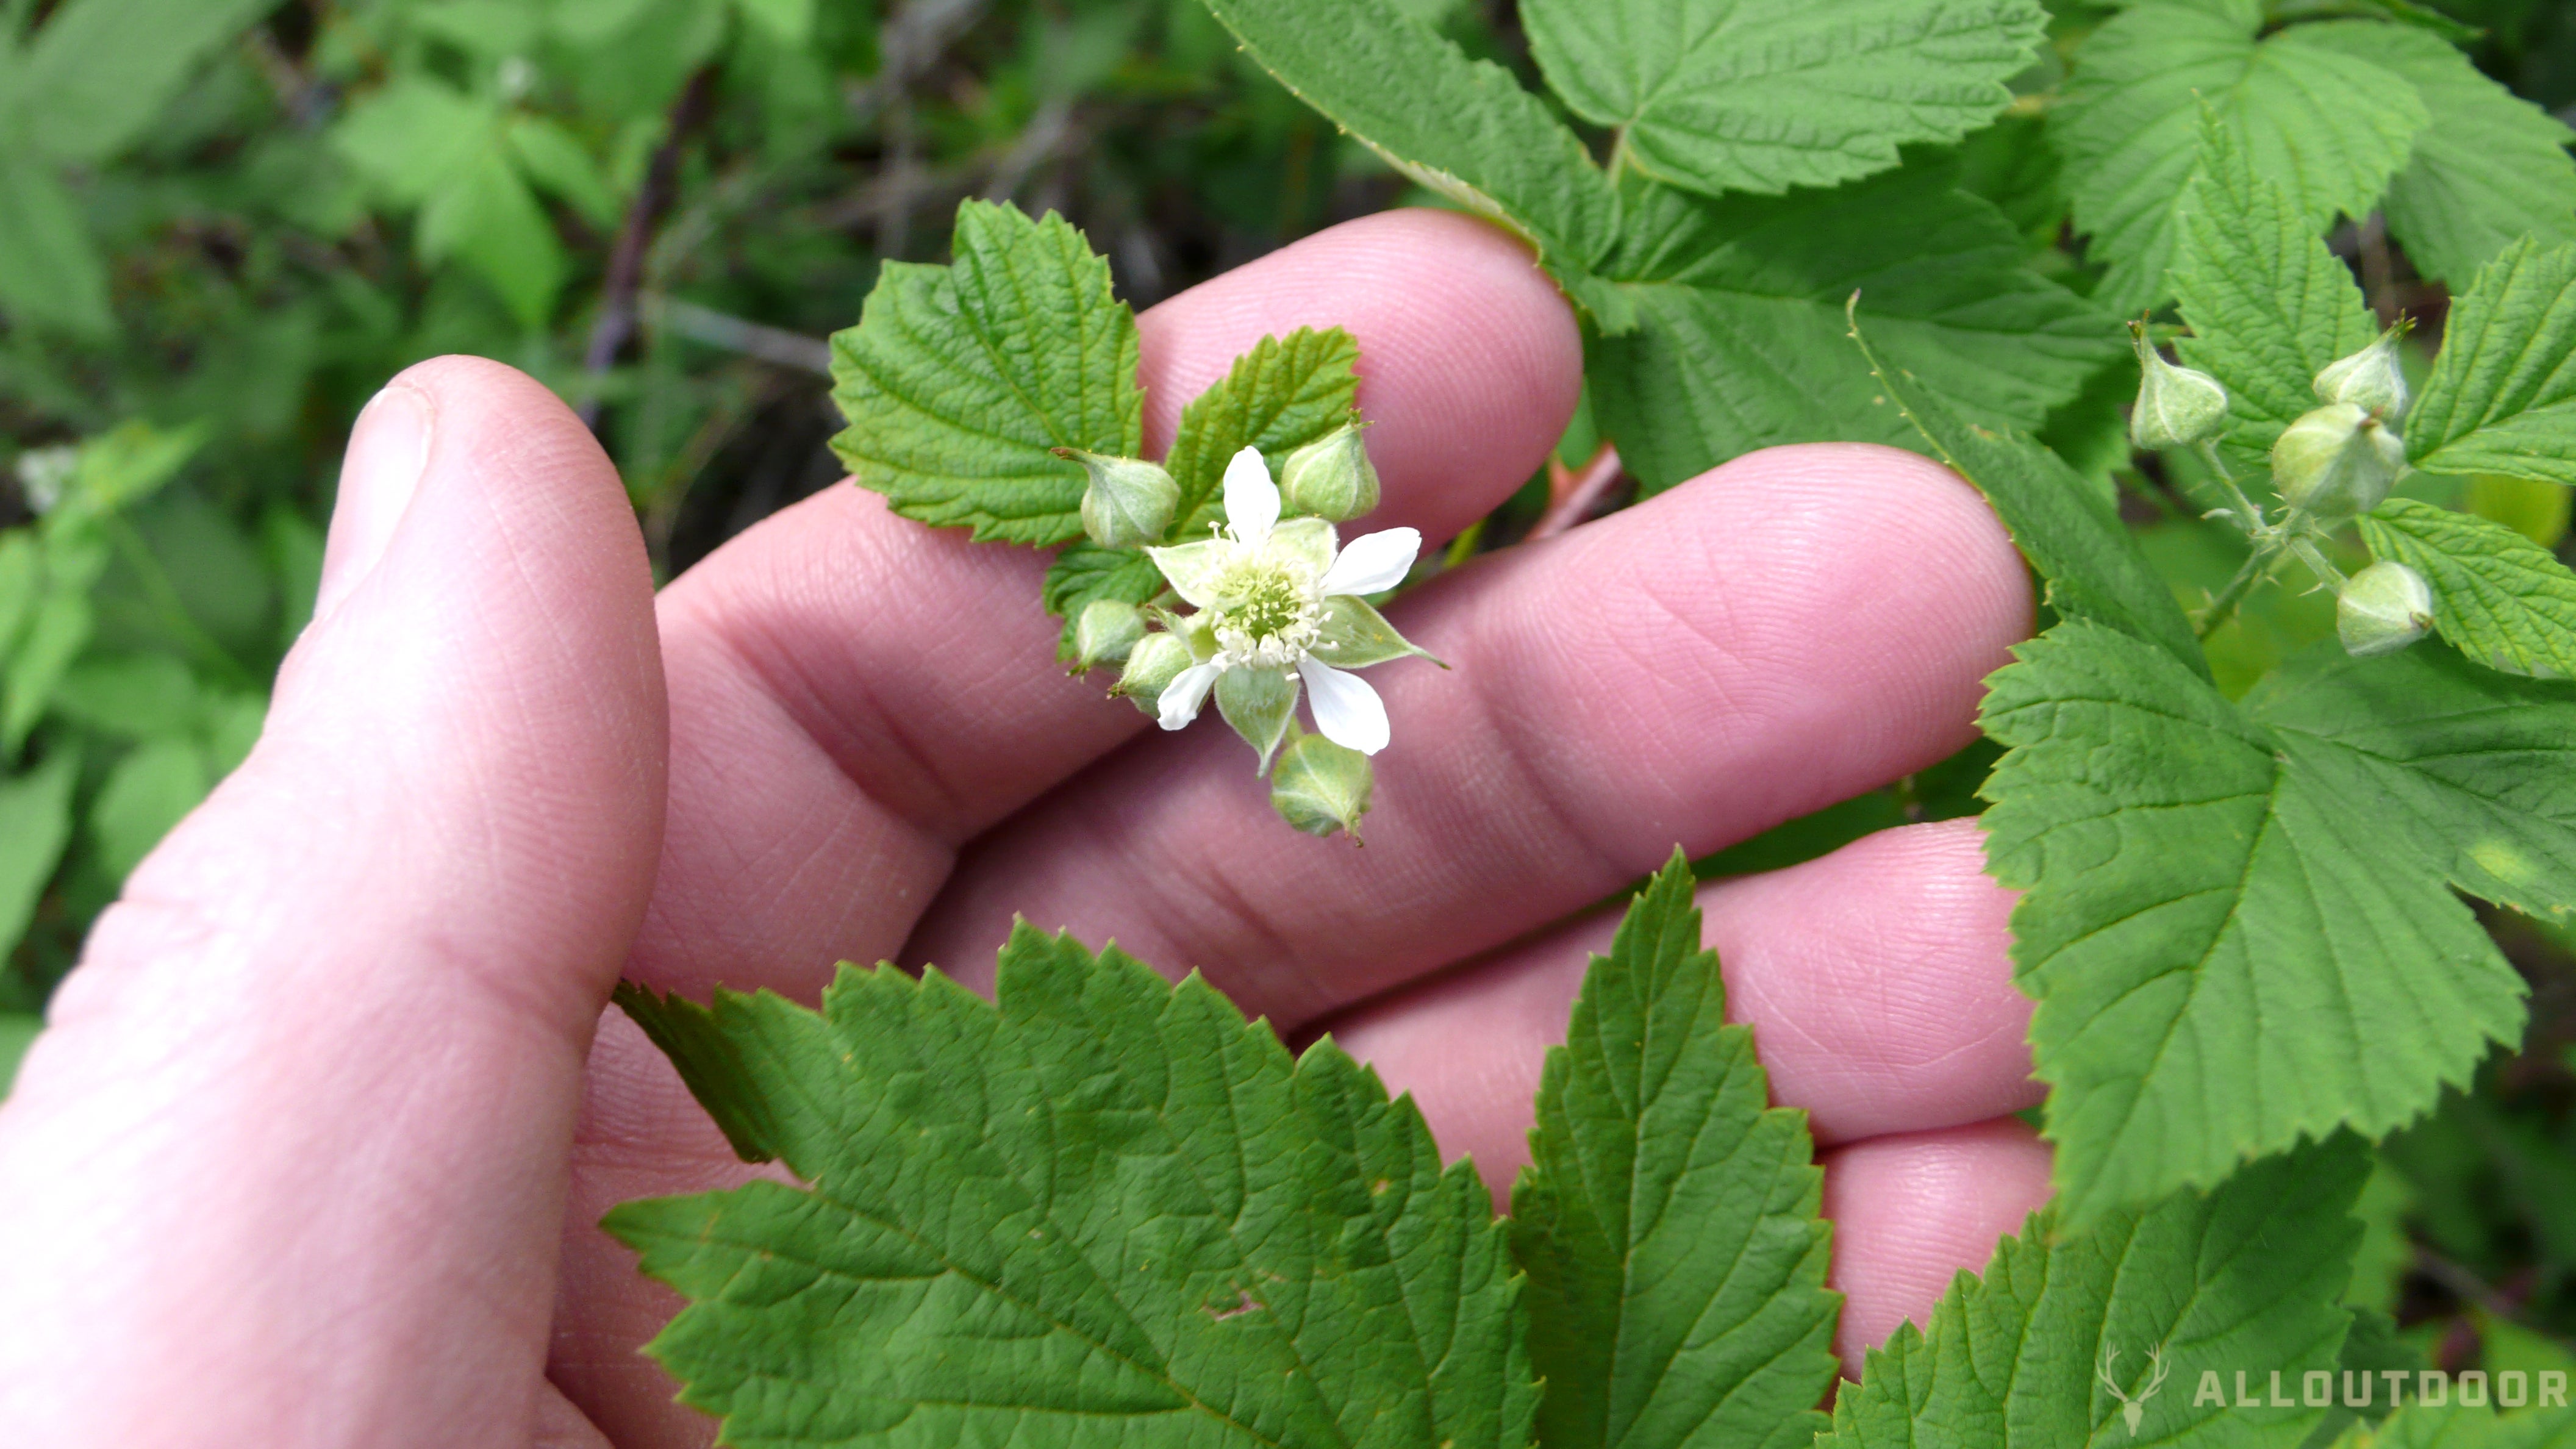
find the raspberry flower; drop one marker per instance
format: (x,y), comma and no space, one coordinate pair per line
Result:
(1279,606)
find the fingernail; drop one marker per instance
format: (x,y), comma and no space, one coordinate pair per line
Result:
(388,451)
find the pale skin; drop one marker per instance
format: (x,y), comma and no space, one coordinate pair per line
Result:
(312,1149)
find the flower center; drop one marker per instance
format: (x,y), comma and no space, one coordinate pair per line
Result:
(1271,621)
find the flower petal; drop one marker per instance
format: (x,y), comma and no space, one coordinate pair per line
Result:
(1251,499)
(1180,700)
(1373,563)
(1347,711)
(1193,569)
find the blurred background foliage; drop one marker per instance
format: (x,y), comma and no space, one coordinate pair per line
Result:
(223,223)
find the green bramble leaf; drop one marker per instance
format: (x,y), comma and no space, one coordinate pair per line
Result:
(958,380)
(35,825)
(2195,875)
(2331,127)
(2492,166)
(1283,394)
(1464,128)
(2269,306)
(2453,1426)
(1763,95)
(2498,597)
(2070,533)
(2502,397)
(1107,1211)
(1668,1217)
(1742,307)
(2240,1280)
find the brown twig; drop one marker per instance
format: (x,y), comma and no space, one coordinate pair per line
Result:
(1573,496)
(625,281)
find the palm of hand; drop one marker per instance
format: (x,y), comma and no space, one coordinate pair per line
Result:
(320,1070)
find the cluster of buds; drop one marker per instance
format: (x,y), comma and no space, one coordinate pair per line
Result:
(2330,465)
(1279,611)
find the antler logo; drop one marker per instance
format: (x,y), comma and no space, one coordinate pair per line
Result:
(2133,1407)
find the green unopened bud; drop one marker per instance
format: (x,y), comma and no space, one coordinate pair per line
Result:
(1331,477)
(1129,502)
(1105,632)
(1152,664)
(1320,787)
(2336,462)
(2382,609)
(2370,379)
(2177,406)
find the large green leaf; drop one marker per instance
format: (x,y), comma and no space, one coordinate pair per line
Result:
(99,72)
(959,380)
(1463,128)
(35,825)
(2490,168)
(2069,531)
(2241,1281)
(1107,1212)
(2269,306)
(1763,95)
(2329,126)
(2238,922)
(1668,1217)
(51,274)
(2502,397)
(2497,596)
(1741,304)
(2454,1426)
(485,217)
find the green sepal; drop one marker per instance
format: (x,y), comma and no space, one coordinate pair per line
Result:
(1260,704)
(1354,635)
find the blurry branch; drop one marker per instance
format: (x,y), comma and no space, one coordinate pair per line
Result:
(1575,496)
(1049,134)
(906,48)
(616,324)
(774,345)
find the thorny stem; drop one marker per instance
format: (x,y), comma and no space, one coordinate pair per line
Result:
(2257,567)
(2249,514)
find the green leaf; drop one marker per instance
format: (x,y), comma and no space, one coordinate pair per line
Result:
(1106,1212)
(1464,128)
(2268,305)
(1741,305)
(1763,95)
(1283,394)
(556,160)
(2331,127)
(130,696)
(2242,1280)
(411,139)
(35,824)
(2070,533)
(149,791)
(1668,1217)
(99,72)
(2198,877)
(54,637)
(51,274)
(2450,1426)
(789,22)
(2498,597)
(2490,168)
(17,1033)
(958,380)
(485,218)
(2502,397)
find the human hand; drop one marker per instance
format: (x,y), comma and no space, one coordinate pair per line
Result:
(308,1153)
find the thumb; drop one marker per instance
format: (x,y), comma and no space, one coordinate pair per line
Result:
(287,1164)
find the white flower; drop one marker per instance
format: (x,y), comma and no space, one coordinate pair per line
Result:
(1279,605)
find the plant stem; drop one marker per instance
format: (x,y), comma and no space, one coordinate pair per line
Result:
(2257,566)
(2249,515)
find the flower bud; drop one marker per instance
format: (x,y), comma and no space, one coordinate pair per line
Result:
(2336,462)
(1129,502)
(1152,664)
(2370,379)
(2382,609)
(2177,406)
(1104,633)
(1320,787)
(1331,477)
